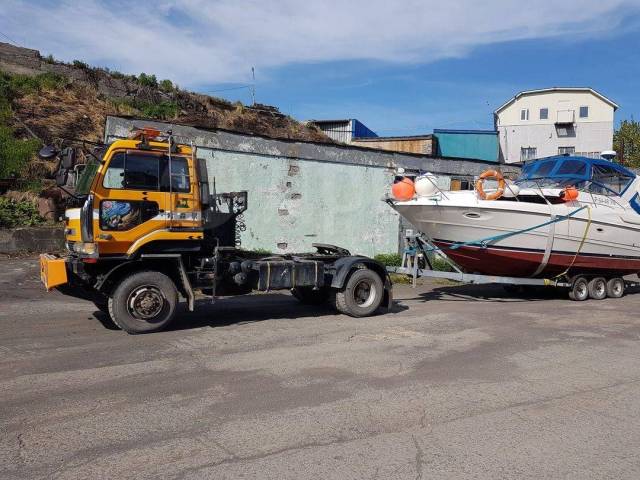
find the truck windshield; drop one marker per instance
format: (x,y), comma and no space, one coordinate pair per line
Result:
(83,184)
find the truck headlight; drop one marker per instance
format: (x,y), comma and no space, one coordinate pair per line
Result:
(86,248)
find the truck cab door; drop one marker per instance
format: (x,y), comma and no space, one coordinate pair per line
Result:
(129,202)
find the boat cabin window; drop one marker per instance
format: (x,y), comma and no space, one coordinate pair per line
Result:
(572,167)
(594,176)
(607,180)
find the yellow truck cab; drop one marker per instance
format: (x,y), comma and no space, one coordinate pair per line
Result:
(149,229)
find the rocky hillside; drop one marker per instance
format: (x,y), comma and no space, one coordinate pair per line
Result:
(72,100)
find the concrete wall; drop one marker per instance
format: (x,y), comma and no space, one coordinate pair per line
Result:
(591,134)
(303,192)
(31,239)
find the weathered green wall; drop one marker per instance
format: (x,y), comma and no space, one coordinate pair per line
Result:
(294,203)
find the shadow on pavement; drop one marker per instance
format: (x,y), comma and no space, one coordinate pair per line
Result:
(241,310)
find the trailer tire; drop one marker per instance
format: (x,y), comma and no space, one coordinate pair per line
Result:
(309,296)
(579,289)
(615,287)
(145,302)
(598,288)
(362,283)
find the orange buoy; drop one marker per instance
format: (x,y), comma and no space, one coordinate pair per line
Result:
(403,189)
(569,194)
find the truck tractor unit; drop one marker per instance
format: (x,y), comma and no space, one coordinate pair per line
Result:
(146,228)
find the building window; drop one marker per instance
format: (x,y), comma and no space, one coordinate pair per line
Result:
(566,150)
(544,114)
(524,114)
(584,112)
(528,153)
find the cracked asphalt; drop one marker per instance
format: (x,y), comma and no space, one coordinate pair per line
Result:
(455,382)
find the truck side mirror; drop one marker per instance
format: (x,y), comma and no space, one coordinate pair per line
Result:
(47,152)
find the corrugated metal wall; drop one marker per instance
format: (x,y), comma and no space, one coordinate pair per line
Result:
(477,145)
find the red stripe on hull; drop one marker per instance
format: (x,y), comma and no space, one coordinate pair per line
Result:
(522,263)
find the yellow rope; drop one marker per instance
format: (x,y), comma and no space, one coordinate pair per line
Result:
(584,238)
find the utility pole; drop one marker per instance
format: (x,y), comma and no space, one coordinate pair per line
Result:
(253,86)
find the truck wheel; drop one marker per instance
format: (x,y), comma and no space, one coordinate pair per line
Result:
(362,294)
(144,302)
(615,287)
(598,288)
(309,296)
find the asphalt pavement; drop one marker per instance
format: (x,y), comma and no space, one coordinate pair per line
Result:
(456,382)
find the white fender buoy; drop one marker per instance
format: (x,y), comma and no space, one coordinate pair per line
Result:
(426,185)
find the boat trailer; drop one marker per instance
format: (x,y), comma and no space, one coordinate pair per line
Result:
(416,263)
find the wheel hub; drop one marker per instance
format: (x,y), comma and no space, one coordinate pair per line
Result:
(364,293)
(145,302)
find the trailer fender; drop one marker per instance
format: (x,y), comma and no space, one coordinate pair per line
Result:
(345,265)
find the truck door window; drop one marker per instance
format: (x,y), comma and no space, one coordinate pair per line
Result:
(132,171)
(141,172)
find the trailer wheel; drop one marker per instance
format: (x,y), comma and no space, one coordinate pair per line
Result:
(309,296)
(362,294)
(144,302)
(615,287)
(597,288)
(579,289)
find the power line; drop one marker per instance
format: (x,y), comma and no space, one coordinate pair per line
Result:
(10,39)
(227,89)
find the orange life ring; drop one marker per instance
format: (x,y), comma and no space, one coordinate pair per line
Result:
(490,174)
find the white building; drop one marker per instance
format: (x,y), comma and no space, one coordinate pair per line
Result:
(552,121)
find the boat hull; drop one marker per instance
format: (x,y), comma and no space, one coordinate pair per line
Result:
(591,240)
(513,262)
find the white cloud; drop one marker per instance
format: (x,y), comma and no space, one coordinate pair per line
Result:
(204,42)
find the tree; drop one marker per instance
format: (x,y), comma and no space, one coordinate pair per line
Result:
(626,142)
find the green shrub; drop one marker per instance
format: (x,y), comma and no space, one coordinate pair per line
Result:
(18,214)
(14,153)
(389,259)
(166,86)
(162,110)
(147,80)
(13,86)
(49,59)
(80,64)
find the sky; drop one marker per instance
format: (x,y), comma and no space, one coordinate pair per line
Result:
(400,67)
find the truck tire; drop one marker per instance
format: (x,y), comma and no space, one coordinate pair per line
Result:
(144,302)
(362,294)
(309,296)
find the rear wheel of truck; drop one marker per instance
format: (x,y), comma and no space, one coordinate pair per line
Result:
(309,296)
(362,294)
(144,302)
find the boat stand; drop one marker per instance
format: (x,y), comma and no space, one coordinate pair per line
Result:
(416,262)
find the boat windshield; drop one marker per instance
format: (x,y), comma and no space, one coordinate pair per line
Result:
(593,175)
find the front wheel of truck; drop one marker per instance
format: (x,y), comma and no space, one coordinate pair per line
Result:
(144,302)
